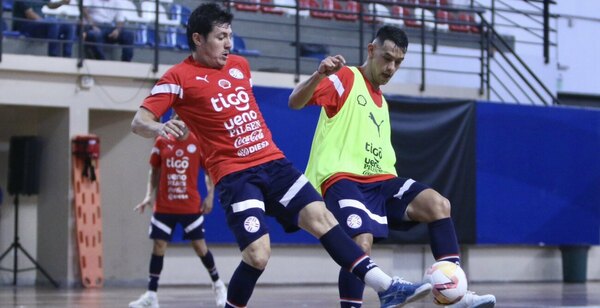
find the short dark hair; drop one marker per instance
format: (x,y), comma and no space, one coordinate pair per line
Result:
(394,34)
(204,18)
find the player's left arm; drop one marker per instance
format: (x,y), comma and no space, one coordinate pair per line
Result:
(207,203)
(303,92)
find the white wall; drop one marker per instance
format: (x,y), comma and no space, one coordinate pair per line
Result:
(572,67)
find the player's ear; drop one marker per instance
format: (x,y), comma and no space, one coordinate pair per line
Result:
(197,38)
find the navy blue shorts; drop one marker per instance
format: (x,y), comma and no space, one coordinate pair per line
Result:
(274,188)
(372,207)
(162,226)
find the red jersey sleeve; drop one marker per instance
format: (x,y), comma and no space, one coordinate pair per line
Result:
(331,93)
(164,94)
(155,158)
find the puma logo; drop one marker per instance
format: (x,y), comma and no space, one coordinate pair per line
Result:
(372,117)
(205,78)
(170,146)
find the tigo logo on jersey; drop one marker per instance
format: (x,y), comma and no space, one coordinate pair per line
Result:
(180,165)
(179,153)
(252,224)
(239,100)
(235,73)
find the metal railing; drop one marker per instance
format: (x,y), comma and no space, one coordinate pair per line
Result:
(281,37)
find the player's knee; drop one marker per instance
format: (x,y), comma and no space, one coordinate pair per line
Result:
(316,219)
(159,248)
(365,246)
(259,260)
(440,207)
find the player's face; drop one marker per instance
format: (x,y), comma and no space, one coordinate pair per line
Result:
(385,61)
(213,50)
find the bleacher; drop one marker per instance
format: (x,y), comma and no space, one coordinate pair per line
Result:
(333,18)
(266,31)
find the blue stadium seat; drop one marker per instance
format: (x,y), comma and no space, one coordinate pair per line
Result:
(6,32)
(167,27)
(311,50)
(180,13)
(138,24)
(239,47)
(7,5)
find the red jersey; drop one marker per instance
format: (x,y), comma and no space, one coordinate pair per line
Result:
(331,93)
(179,163)
(218,105)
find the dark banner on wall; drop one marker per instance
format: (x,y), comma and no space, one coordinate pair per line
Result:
(435,145)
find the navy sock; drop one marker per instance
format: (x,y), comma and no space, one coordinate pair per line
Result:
(444,244)
(344,251)
(351,290)
(242,285)
(156,265)
(209,264)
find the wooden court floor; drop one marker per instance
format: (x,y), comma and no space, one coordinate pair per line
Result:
(525,295)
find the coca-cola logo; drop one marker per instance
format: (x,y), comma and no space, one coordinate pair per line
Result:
(253,137)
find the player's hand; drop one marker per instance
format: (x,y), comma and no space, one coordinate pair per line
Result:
(140,207)
(173,127)
(207,204)
(331,65)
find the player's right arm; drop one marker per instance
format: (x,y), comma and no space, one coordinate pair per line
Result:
(207,204)
(303,92)
(153,178)
(146,124)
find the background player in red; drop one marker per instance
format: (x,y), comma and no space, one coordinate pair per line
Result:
(211,91)
(173,181)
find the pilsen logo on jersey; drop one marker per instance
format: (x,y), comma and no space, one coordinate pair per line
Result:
(374,154)
(177,181)
(245,125)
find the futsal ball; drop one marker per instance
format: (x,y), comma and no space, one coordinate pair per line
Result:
(448,281)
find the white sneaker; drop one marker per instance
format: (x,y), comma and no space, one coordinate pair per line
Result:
(148,299)
(472,300)
(220,293)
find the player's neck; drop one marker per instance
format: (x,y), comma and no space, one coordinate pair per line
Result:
(199,59)
(368,75)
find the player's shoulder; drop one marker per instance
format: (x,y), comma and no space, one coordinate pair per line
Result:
(345,72)
(182,67)
(160,141)
(344,75)
(235,60)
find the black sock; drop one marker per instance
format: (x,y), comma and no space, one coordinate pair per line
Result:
(346,253)
(209,264)
(242,284)
(444,244)
(156,265)
(351,290)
